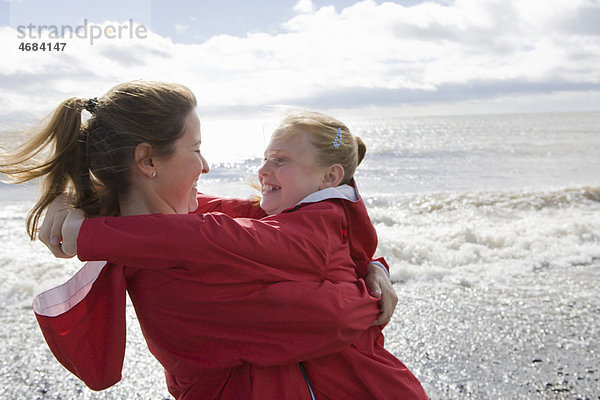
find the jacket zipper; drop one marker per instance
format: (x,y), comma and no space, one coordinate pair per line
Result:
(312,395)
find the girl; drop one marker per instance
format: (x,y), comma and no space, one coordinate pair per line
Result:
(313,208)
(139,154)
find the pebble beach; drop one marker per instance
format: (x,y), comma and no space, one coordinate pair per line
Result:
(535,337)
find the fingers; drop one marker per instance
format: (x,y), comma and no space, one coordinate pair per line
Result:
(381,321)
(379,285)
(59,253)
(55,231)
(385,316)
(388,302)
(373,285)
(70,230)
(50,231)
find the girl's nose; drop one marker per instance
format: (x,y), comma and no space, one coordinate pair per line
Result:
(264,169)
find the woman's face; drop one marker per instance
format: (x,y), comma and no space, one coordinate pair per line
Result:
(290,172)
(178,173)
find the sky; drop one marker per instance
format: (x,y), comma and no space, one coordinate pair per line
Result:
(362,58)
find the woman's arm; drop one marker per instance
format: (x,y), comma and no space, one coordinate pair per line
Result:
(268,324)
(218,326)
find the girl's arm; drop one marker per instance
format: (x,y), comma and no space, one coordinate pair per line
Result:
(223,249)
(250,208)
(235,208)
(376,279)
(50,231)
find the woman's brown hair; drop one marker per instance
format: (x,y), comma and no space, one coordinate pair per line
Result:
(92,160)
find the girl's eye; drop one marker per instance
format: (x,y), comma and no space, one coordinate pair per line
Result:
(274,161)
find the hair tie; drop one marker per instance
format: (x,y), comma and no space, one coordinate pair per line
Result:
(91,105)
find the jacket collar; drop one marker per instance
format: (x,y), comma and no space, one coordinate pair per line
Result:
(344,192)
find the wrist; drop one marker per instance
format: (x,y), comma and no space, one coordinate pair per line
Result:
(70,231)
(376,265)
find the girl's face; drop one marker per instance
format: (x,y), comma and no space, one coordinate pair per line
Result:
(177,174)
(289,172)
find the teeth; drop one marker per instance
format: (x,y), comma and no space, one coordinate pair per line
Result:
(269,188)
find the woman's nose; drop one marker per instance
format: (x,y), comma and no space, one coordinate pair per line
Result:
(205,166)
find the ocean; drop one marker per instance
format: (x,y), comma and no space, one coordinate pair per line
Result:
(463,196)
(491,226)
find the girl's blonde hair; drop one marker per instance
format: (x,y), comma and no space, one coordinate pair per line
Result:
(334,142)
(92,160)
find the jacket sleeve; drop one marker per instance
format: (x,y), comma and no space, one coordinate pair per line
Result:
(268,325)
(250,208)
(88,339)
(362,269)
(293,246)
(305,320)
(236,208)
(327,317)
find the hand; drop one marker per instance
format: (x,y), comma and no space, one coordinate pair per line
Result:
(70,231)
(379,285)
(50,231)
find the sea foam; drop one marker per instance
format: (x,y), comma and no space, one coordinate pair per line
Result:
(478,235)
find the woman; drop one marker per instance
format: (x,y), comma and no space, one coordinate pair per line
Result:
(112,164)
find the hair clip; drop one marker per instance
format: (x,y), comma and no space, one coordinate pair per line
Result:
(91,105)
(337,142)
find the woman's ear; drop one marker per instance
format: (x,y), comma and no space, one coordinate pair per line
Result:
(334,175)
(143,160)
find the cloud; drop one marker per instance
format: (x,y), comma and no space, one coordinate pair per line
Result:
(367,54)
(181,28)
(304,6)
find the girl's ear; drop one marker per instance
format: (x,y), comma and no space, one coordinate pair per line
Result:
(334,175)
(143,160)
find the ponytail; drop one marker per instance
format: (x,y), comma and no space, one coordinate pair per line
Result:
(92,161)
(63,165)
(361,151)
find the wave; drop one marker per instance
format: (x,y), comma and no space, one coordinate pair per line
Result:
(518,200)
(465,237)
(476,234)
